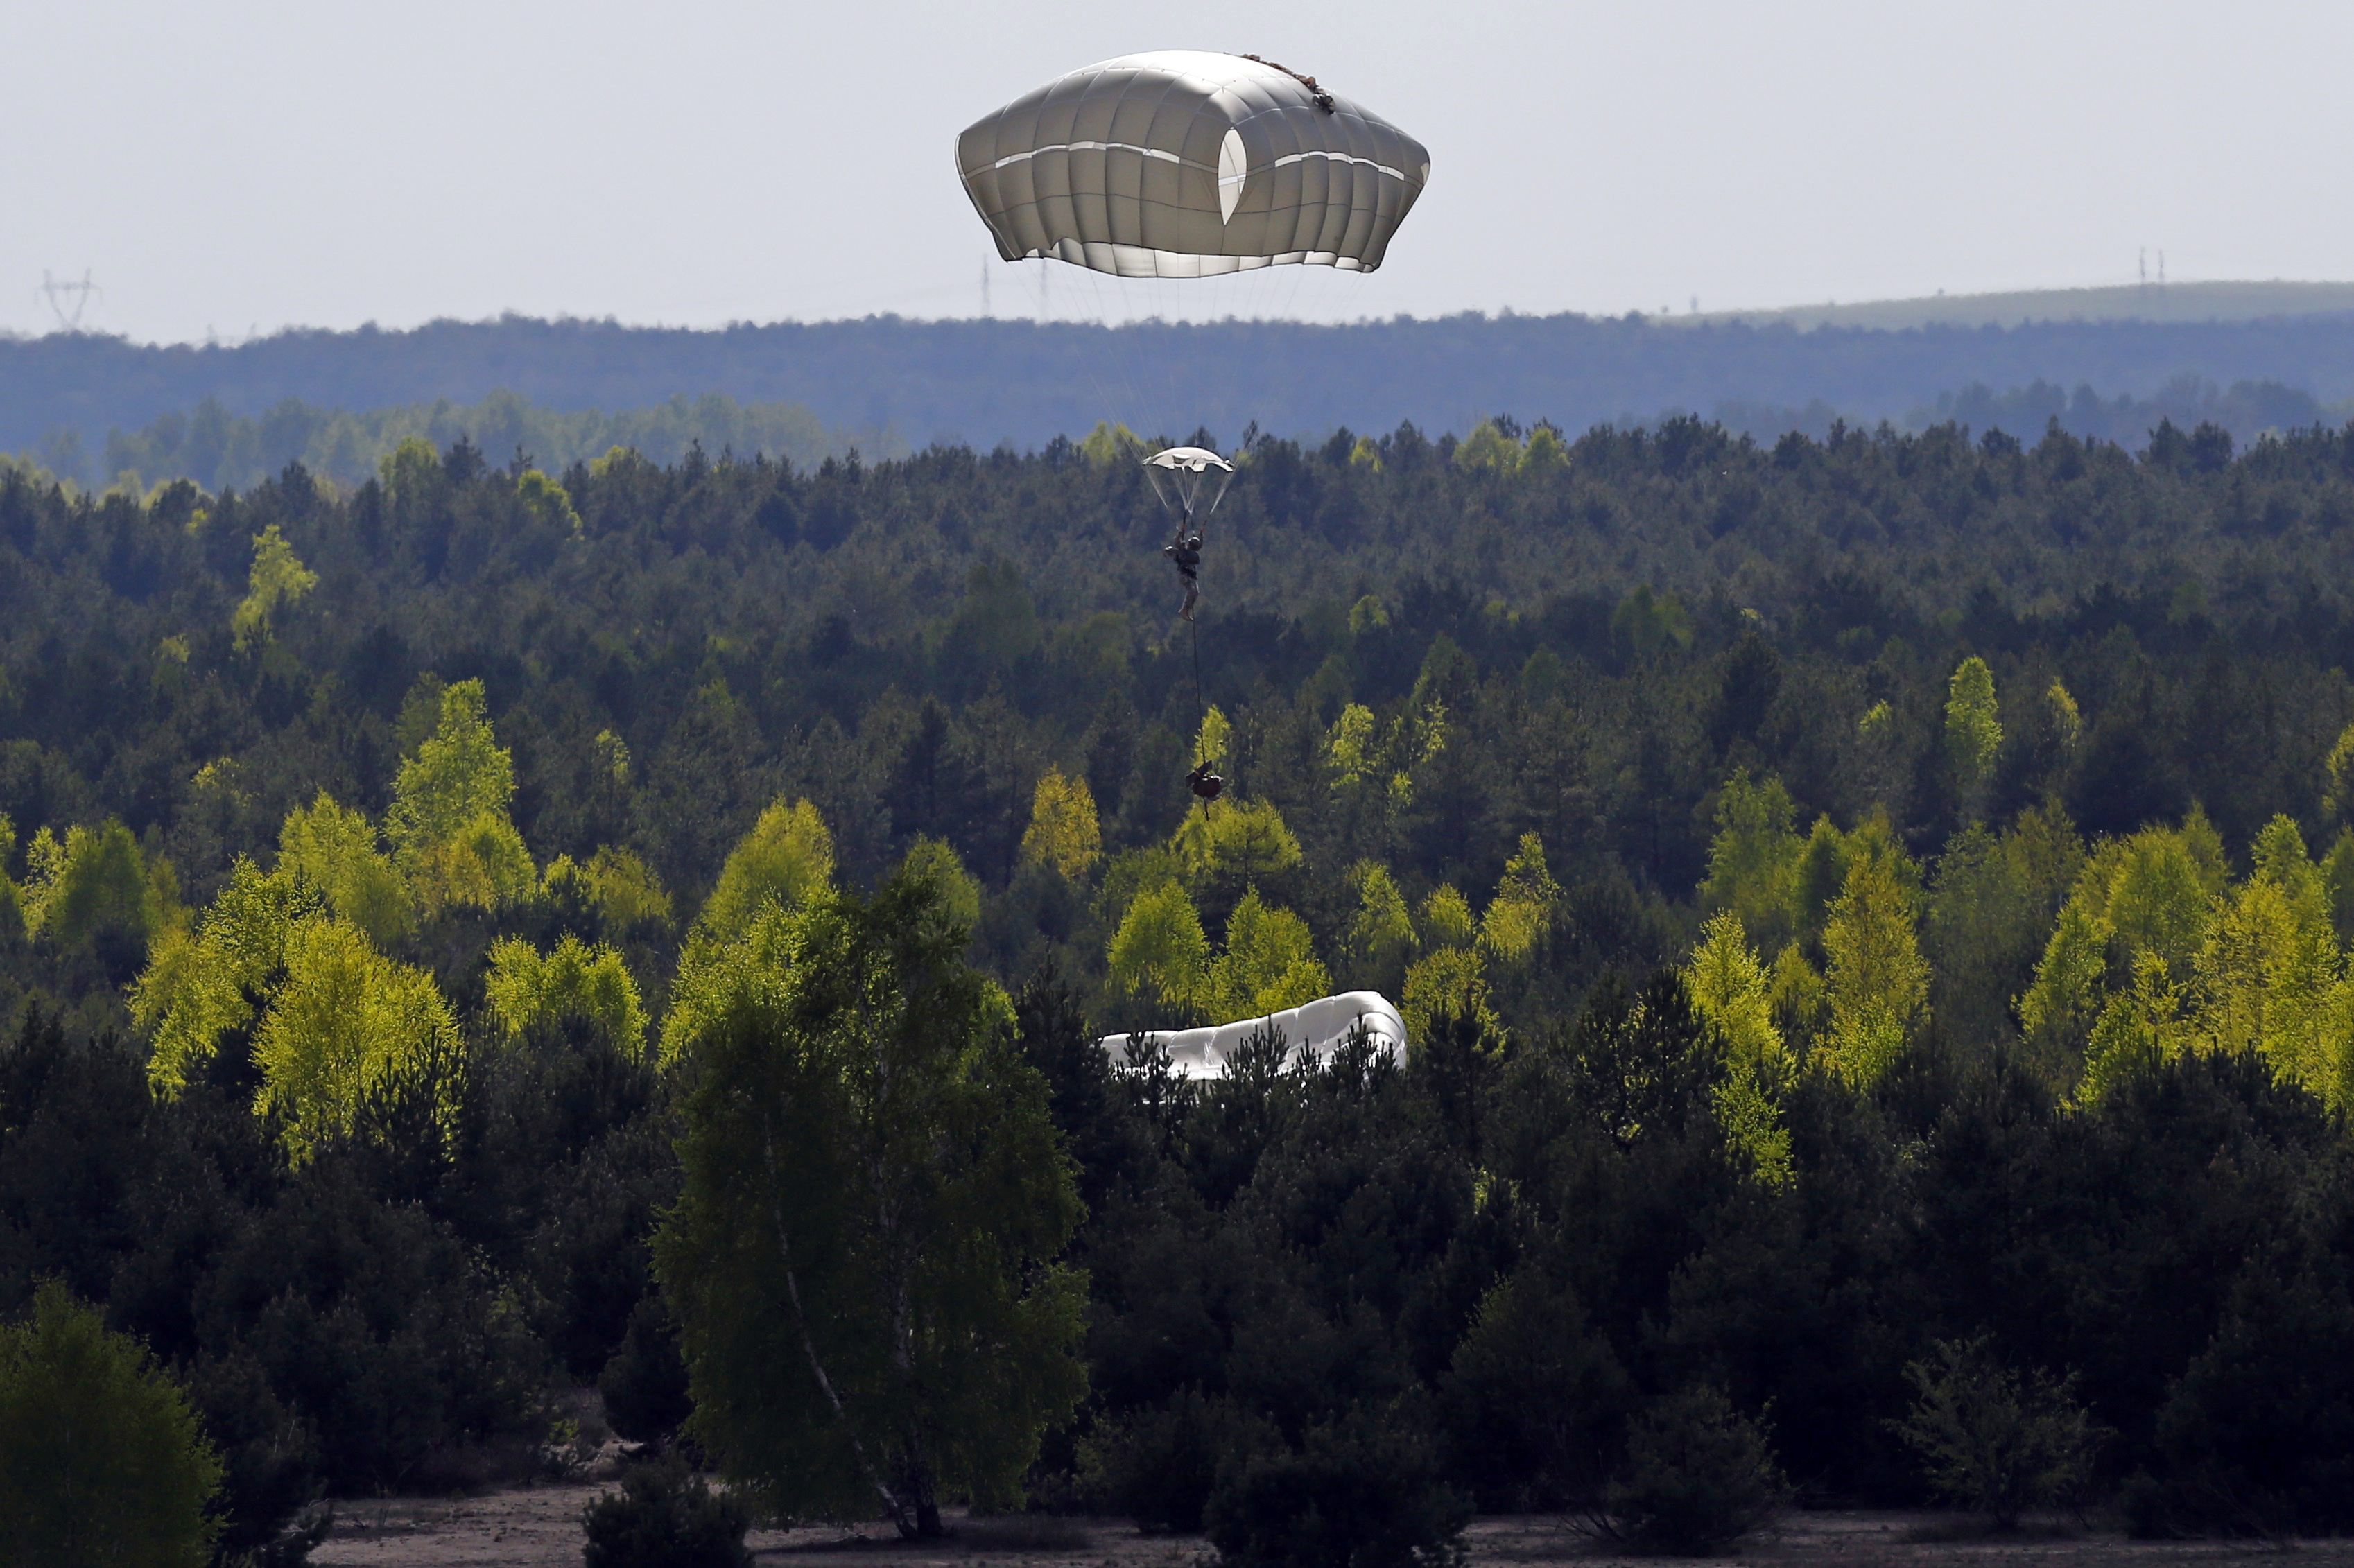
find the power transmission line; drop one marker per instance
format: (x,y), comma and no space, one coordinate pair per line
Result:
(56,292)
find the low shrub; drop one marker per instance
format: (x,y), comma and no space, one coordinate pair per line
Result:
(1536,1404)
(644,1380)
(665,1516)
(1362,1492)
(1159,1466)
(1991,1440)
(2256,1436)
(1699,1476)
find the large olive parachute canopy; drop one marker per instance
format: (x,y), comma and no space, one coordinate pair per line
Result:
(1184,164)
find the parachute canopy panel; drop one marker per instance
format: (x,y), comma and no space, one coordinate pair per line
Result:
(1316,1028)
(1192,460)
(1182,476)
(1186,163)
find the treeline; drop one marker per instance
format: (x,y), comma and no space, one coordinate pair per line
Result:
(2247,410)
(220,451)
(988,381)
(1873,915)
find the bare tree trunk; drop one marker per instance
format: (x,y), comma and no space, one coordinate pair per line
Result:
(893,1504)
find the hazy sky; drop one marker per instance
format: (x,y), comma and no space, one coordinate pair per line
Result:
(243,164)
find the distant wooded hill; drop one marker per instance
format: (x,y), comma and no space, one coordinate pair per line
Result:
(896,383)
(2195,303)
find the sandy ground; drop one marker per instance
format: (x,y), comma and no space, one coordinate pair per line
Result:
(539,1527)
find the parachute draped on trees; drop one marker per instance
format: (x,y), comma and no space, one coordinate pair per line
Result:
(1188,164)
(1314,1029)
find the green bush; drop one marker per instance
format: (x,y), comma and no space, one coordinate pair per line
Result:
(101,1460)
(1535,1403)
(665,1516)
(2256,1436)
(1699,1476)
(1991,1440)
(1362,1492)
(644,1381)
(1158,1466)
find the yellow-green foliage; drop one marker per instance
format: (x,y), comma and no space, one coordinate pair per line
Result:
(1732,990)
(410,469)
(1753,1126)
(1269,964)
(1110,443)
(334,850)
(957,901)
(612,756)
(1381,932)
(2158,955)
(1211,741)
(1062,831)
(339,1021)
(1447,919)
(1349,748)
(2337,880)
(621,888)
(2067,720)
(1488,447)
(782,865)
(2338,771)
(2058,1011)
(2139,1026)
(1545,451)
(753,967)
(787,858)
(450,833)
(1363,755)
(279,580)
(92,883)
(1752,861)
(2160,895)
(616,459)
(1973,725)
(1244,839)
(549,499)
(1159,951)
(345,1025)
(1449,982)
(1801,1001)
(1131,872)
(1523,905)
(199,984)
(572,981)
(12,897)
(1365,455)
(1878,982)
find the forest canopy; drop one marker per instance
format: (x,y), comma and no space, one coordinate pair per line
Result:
(1864,908)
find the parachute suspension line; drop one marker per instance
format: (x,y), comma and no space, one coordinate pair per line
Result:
(1202,719)
(1201,709)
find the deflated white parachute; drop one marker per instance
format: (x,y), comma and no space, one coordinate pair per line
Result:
(1315,1028)
(1185,163)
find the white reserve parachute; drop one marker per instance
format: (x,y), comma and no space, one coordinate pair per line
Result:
(1315,1028)
(1185,163)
